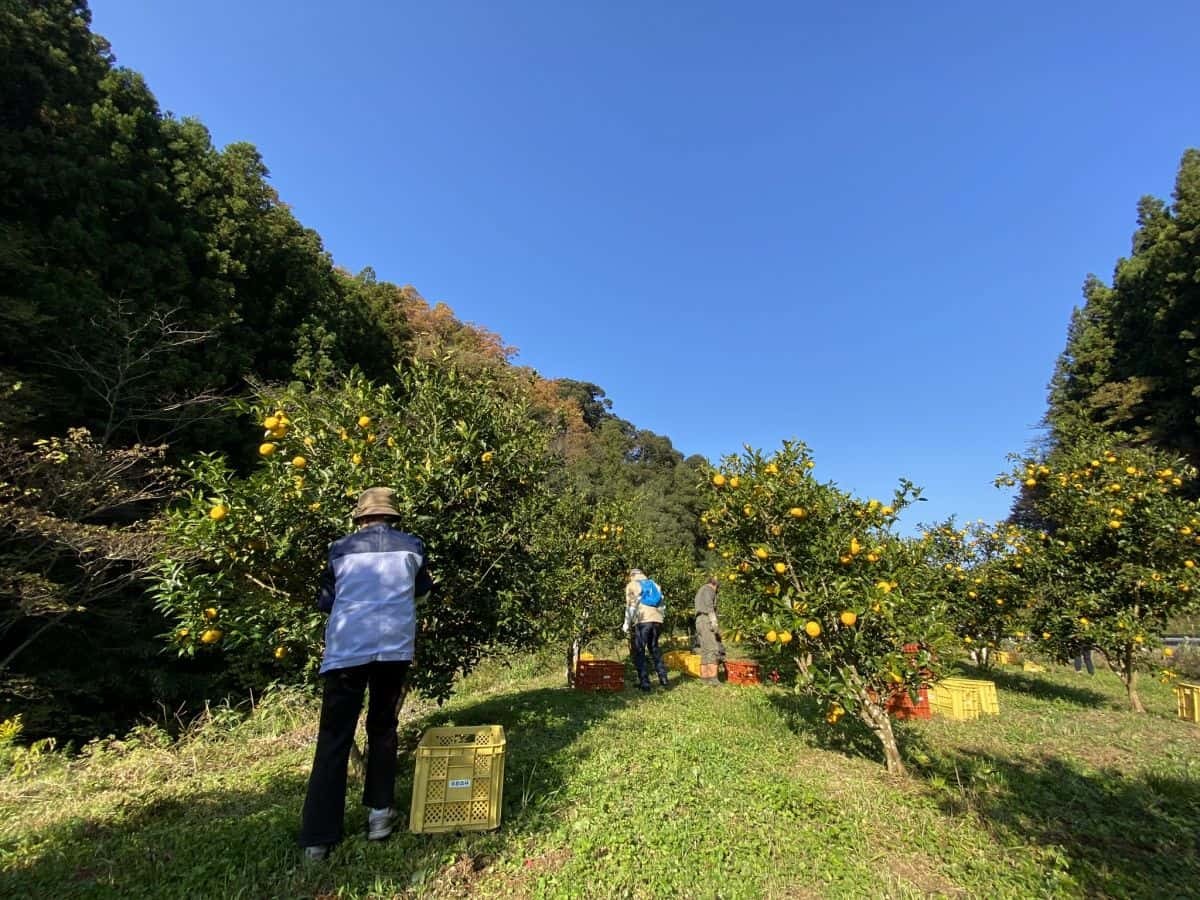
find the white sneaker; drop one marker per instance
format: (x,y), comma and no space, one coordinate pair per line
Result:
(316,853)
(380,823)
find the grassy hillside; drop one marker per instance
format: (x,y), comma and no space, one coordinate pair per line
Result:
(693,791)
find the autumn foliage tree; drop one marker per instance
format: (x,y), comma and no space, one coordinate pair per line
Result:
(820,577)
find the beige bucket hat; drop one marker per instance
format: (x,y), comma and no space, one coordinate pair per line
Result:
(376,501)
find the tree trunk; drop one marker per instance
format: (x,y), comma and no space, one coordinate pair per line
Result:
(1130,679)
(573,660)
(875,715)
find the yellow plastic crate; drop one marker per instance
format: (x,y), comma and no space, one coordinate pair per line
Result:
(1008,657)
(1188,697)
(1028,666)
(953,702)
(682,661)
(989,703)
(459,780)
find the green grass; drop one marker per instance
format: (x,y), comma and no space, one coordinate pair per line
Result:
(693,791)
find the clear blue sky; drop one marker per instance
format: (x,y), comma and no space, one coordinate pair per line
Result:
(853,224)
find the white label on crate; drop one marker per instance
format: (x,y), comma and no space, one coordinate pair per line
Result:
(459,783)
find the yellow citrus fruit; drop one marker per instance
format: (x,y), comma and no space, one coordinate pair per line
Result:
(734,481)
(718,479)
(812,629)
(761,552)
(1030,482)
(1045,635)
(370,438)
(218,512)
(780,568)
(785,637)
(266,449)
(210,613)
(1138,639)
(1189,564)
(184,632)
(711,545)
(487,456)
(872,557)
(364,421)
(1168,651)
(848,618)
(776,530)
(887,510)
(772,469)
(885,586)
(271,422)
(748,509)
(210,635)
(356,459)
(772,637)
(855,547)
(1114,523)
(281,652)
(299,462)
(391,442)
(797,512)
(743,566)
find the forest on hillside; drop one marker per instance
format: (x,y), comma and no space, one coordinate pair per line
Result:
(150,284)
(192,391)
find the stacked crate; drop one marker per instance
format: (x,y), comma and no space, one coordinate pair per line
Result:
(599,675)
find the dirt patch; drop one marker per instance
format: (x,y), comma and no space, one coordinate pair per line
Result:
(461,877)
(918,872)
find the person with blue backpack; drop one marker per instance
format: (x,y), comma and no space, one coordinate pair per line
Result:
(644,613)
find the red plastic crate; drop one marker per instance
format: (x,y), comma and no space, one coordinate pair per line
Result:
(742,672)
(901,706)
(600,675)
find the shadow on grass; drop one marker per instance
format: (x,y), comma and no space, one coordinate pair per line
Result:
(805,717)
(1113,833)
(1040,688)
(241,841)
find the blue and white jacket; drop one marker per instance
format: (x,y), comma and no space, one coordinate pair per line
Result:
(370,588)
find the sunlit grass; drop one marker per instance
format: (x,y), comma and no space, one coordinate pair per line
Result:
(692,791)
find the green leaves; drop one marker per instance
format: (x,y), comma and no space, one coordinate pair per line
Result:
(469,467)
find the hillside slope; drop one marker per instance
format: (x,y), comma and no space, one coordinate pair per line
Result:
(693,791)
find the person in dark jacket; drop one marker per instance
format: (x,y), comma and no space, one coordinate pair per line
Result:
(374,578)
(708,633)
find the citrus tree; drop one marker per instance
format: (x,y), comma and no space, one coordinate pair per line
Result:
(980,570)
(468,464)
(820,578)
(585,552)
(1117,555)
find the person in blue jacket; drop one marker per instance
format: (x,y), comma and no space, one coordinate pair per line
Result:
(370,588)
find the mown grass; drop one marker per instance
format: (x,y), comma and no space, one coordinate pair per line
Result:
(688,792)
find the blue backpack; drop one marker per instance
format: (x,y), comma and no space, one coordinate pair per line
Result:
(651,595)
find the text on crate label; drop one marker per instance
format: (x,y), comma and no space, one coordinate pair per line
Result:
(459,783)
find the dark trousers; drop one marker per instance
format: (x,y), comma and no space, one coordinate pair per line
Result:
(325,804)
(645,641)
(1082,658)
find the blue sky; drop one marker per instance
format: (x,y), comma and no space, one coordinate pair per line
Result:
(853,224)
